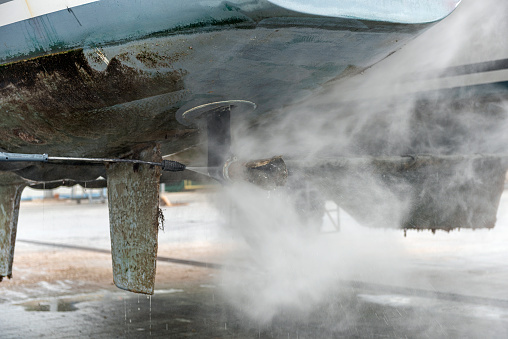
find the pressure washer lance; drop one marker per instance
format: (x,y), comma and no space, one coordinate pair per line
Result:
(265,173)
(166,165)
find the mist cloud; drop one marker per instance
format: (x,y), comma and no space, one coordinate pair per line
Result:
(293,268)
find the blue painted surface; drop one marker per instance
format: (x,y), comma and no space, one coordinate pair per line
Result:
(113,21)
(110,21)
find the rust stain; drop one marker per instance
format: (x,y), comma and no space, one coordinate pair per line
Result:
(26,136)
(154,60)
(29,8)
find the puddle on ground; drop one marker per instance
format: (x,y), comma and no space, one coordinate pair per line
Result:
(59,304)
(54,305)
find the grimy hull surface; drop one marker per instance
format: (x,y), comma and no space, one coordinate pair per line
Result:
(75,84)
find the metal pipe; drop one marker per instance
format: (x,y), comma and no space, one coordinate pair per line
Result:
(23,157)
(218,122)
(167,165)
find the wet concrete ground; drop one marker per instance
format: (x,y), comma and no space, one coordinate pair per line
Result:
(427,286)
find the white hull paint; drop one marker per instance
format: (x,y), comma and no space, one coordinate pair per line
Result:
(12,11)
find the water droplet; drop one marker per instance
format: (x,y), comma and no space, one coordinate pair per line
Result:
(150,297)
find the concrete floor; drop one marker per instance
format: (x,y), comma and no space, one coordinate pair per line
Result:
(359,283)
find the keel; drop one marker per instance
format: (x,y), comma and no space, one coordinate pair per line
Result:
(10,196)
(133,193)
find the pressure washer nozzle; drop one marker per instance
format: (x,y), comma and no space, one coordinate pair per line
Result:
(265,173)
(172,166)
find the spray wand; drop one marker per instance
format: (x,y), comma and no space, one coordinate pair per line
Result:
(166,165)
